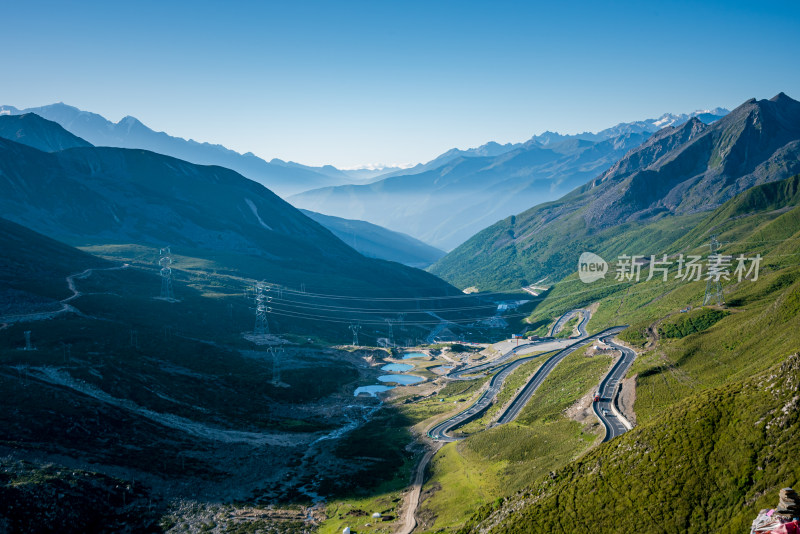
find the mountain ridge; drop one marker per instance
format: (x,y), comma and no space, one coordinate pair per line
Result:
(37,132)
(130,132)
(103,196)
(375,241)
(681,170)
(446,205)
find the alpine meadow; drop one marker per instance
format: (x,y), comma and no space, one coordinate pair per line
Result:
(322,268)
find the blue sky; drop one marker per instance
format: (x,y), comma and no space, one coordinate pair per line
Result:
(351,83)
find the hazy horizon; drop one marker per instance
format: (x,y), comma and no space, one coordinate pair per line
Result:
(360,84)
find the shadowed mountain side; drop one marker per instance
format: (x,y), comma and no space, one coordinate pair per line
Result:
(32,130)
(374,241)
(281,177)
(102,196)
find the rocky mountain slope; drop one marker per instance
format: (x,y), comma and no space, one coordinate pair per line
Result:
(679,171)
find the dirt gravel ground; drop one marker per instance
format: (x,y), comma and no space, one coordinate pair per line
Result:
(627,398)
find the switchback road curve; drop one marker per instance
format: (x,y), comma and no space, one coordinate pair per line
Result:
(441,431)
(519,402)
(605,409)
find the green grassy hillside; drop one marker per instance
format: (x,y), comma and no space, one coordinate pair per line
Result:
(500,461)
(708,465)
(716,390)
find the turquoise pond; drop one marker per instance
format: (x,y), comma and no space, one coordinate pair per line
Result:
(397,367)
(410,355)
(401,379)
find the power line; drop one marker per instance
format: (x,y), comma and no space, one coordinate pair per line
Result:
(399,311)
(412,299)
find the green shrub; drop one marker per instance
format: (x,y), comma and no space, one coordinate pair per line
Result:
(690,323)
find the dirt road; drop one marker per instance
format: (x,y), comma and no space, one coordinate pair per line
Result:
(65,307)
(409,521)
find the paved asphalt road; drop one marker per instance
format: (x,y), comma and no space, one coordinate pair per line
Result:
(475,369)
(440,431)
(586,314)
(582,325)
(524,347)
(608,389)
(530,388)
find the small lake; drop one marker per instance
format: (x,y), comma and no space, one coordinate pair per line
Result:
(397,367)
(401,379)
(372,390)
(410,355)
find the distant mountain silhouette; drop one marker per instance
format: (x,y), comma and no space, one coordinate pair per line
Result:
(685,169)
(446,200)
(129,132)
(446,205)
(32,130)
(376,241)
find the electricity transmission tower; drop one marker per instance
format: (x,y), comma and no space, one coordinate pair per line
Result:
(402,317)
(262,309)
(165,261)
(713,286)
(391,331)
(355,328)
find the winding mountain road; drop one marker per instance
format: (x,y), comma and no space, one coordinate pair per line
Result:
(65,306)
(519,402)
(409,520)
(441,431)
(458,374)
(606,408)
(559,324)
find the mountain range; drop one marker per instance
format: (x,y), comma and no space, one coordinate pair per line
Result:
(281,177)
(446,205)
(130,133)
(680,170)
(447,200)
(493,148)
(102,196)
